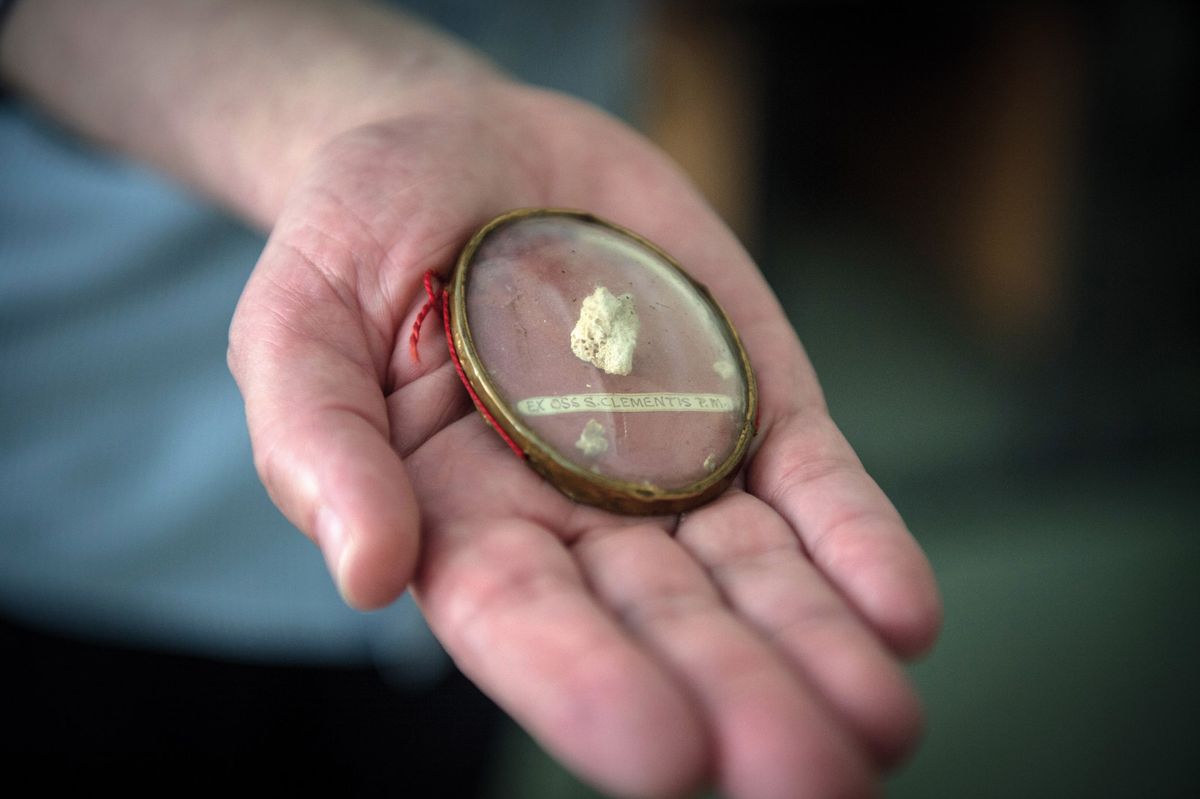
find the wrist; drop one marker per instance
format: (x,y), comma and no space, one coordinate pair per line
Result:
(232,98)
(344,67)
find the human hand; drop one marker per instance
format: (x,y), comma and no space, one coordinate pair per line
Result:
(753,641)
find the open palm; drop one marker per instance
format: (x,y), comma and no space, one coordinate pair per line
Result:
(753,642)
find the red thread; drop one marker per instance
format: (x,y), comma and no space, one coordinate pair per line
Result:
(430,303)
(467,384)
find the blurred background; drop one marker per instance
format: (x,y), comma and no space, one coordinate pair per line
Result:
(985,225)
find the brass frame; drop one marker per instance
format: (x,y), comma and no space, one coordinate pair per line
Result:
(577,483)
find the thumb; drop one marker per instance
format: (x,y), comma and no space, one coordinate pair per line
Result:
(318,425)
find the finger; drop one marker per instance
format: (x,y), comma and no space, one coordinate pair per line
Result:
(318,426)
(807,472)
(424,406)
(509,604)
(770,735)
(757,563)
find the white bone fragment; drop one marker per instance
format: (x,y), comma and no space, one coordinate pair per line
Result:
(606,333)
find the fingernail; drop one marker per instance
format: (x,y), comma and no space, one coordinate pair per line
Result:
(331,538)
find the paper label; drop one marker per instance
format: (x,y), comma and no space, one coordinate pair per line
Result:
(655,401)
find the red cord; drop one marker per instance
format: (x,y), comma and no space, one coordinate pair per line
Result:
(467,384)
(430,303)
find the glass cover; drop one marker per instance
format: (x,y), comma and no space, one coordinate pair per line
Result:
(602,349)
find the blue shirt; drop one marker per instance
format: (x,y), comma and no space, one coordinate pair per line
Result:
(129,507)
